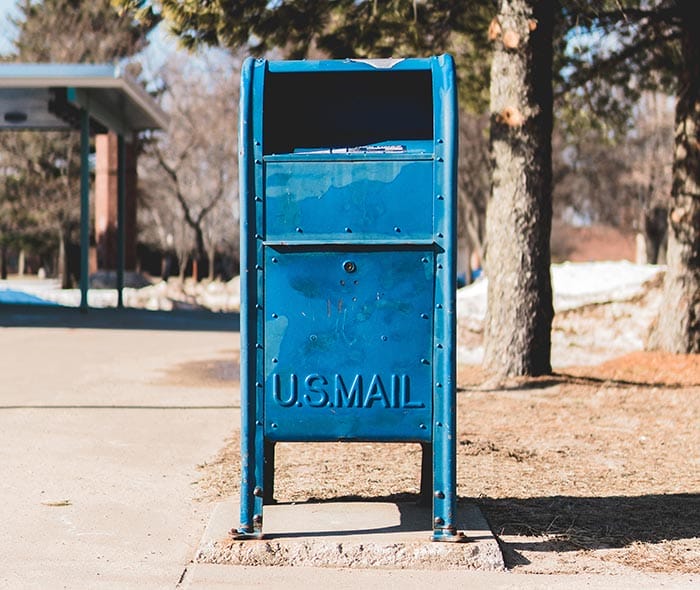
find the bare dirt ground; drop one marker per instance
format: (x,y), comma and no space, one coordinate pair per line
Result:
(593,469)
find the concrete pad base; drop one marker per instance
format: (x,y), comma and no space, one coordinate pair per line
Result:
(350,534)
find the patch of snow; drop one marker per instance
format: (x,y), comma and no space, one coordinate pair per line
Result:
(574,285)
(577,284)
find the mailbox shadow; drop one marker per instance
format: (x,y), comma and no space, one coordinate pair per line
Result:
(50,316)
(414,516)
(570,523)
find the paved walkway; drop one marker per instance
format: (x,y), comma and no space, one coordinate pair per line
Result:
(100,435)
(101,431)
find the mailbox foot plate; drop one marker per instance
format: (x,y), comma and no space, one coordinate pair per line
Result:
(448,536)
(245,535)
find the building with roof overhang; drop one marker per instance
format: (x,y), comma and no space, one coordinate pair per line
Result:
(91,98)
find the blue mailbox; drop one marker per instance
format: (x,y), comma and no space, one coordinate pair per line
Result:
(348,208)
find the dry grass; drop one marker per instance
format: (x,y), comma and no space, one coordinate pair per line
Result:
(591,469)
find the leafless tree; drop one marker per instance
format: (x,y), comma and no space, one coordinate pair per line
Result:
(649,152)
(474,182)
(192,171)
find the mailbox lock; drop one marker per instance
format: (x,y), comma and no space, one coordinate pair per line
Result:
(349,266)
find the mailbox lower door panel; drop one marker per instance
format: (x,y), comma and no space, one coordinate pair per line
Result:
(347,341)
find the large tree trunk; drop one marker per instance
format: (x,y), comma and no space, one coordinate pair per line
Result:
(519,214)
(678,326)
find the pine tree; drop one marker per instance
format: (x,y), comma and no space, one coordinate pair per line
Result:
(647,54)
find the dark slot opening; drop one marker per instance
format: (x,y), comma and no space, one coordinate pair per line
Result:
(345,109)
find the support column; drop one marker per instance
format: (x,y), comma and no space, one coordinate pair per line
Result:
(121,217)
(107,179)
(84,208)
(106,189)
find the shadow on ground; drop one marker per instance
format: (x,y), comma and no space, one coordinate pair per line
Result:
(577,522)
(595,522)
(50,316)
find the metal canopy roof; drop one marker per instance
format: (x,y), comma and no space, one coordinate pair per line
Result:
(50,96)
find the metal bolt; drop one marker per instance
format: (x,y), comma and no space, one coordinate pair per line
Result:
(424,316)
(438,384)
(424,259)
(273,425)
(439,346)
(275,316)
(439,495)
(257,519)
(258,346)
(397,229)
(425,361)
(274,260)
(313,337)
(438,521)
(258,267)
(258,492)
(258,306)
(421,426)
(438,306)
(440,198)
(348,230)
(274,359)
(258,384)
(299,230)
(384,338)
(349,266)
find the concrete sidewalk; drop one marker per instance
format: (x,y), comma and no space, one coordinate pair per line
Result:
(101,431)
(100,435)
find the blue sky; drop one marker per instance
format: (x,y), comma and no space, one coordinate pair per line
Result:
(6,7)
(160,43)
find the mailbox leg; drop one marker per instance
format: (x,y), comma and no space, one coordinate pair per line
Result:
(444,486)
(252,472)
(445,472)
(252,455)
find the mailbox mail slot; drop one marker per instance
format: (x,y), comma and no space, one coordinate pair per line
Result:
(347,177)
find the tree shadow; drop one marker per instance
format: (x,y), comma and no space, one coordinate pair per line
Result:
(570,523)
(562,378)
